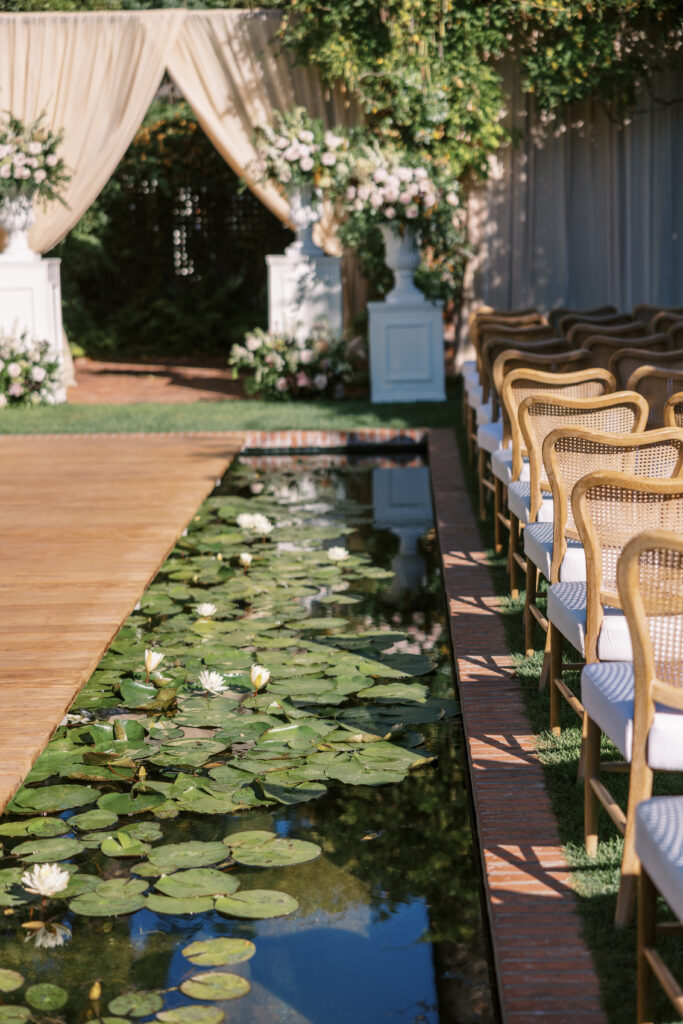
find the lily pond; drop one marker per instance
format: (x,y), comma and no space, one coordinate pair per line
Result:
(256,809)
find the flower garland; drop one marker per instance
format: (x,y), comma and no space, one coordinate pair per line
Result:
(30,164)
(297,151)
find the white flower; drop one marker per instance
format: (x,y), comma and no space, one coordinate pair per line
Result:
(14,370)
(364,191)
(389,212)
(245,559)
(307,136)
(39,374)
(153,659)
(328,159)
(205,610)
(337,554)
(253,343)
(45,879)
(5,171)
(451,199)
(292,152)
(411,212)
(3,401)
(281,384)
(404,173)
(48,936)
(245,521)
(306,356)
(320,381)
(333,141)
(307,163)
(281,142)
(262,524)
(259,676)
(211,681)
(380,175)
(35,148)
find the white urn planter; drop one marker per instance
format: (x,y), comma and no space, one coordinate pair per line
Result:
(16,220)
(402,256)
(304,213)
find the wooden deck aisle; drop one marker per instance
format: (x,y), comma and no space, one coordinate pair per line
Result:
(85,522)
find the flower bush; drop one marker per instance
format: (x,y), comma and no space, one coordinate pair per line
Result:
(30,164)
(281,365)
(298,151)
(29,375)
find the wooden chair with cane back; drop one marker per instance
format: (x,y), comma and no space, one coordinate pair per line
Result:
(626,361)
(656,384)
(580,333)
(609,320)
(675,332)
(665,320)
(509,465)
(629,705)
(673,410)
(603,347)
(646,312)
(569,453)
(555,316)
(496,434)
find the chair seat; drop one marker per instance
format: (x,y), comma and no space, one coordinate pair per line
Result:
(519,499)
(501,466)
(607,691)
(484,412)
(538,547)
(490,436)
(567,611)
(469,367)
(474,392)
(659,846)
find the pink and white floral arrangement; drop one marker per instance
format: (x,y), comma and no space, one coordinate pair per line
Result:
(297,151)
(30,164)
(280,365)
(29,375)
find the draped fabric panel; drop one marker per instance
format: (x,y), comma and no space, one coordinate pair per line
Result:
(95,75)
(227,65)
(586,216)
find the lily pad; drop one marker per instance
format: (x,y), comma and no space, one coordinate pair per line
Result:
(121,844)
(10,981)
(194,854)
(91,820)
(137,694)
(14,1014)
(136,1004)
(46,996)
(219,952)
(129,803)
(197,882)
(192,1015)
(40,851)
(257,904)
(43,827)
(272,852)
(178,904)
(53,798)
(111,898)
(217,985)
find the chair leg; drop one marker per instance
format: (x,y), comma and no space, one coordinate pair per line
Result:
(471,419)
(513,545)
(554,671)
(481,470)
(647,905)
(590,749)
(640,788)
(545,668)
(530,598)
(497,511)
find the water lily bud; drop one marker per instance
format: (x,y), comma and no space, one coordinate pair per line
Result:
(245,559)
(153,659)
(95,991)
(259,676)
(142,773)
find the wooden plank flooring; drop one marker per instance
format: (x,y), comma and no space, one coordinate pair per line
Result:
(85,523)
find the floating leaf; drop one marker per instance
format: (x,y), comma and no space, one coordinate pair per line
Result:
(10,980)
(197,882)
(14,1014)
(53,798)
(215,985)
(40,851)
(219,952)
(136,1004)
(46,996)
(296,794)
(257,904)
(123,845)
(192,1015)
(138,694)
(178,904)
(396,692)
(272,851)
(187,855)
(93,820)
(111,898)
(129,803)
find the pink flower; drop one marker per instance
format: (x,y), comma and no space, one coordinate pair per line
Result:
(389,212)
(307,136)
(412,212)
(302,380)
(52,160)
(364,191)
(306,163)
(306,356)
(328,159)
(16,389)
(405,198)
(452,199)
(281,384)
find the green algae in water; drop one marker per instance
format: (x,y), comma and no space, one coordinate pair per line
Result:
(356,712)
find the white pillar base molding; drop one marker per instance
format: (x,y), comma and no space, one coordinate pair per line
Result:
(31,300)
(303,288)
(407,352)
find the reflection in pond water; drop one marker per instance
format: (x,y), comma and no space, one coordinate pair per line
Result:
(389,922)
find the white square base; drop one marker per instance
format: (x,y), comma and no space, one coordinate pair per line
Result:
(407,352)
(31,300)
(301,290)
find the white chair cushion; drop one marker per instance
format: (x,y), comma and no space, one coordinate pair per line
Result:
(484,413)
(490,436)
(567,611)
(607,691)
(474,392)
(501,466)
(518,502)
(469,367)
(659,845)
(538,546)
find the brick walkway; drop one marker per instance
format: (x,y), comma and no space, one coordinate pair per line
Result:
(544,970)
(123,383)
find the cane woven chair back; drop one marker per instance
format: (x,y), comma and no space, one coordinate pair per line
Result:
(646,312)
(555,316)
(511,337)
(665,320)
(492,348)
(656,384)
(488,315)
(609,509)
(598,322)
(560,361)
(580,333)
(619,413)
(626,361)
(522,383)
(569,453)
(650,584)
(676,335)
(673,410)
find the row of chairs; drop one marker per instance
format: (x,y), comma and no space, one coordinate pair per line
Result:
(576,425)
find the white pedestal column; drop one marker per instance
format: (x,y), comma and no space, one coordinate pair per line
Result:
(303,288)
(31,300)
(406,352)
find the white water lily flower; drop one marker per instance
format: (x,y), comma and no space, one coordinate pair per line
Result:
(262,524)
(153,659)
(205,610)
(45,879)
(211,681)
(245,521)
(337,554)
(49,936)
(259,676)
(245,559)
